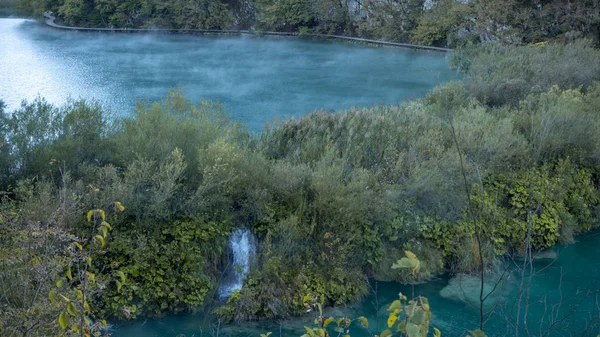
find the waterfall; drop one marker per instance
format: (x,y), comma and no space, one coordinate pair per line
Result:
(242,246)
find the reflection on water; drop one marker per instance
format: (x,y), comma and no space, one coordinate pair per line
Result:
(258,79)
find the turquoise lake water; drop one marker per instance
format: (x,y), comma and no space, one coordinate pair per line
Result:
(257,79)
(578,287)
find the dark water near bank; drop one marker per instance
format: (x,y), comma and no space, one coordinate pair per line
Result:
(573,279)
(257,79)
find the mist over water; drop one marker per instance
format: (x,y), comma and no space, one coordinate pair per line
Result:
(258,79)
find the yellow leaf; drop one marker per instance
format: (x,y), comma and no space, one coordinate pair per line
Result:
(410,255)
(385,333)
(63,320)
(328,321)
(91,276)
(119,285)
(90,214)
(107,225)
(119,207)
(104,324)
(395,305)
(363,320)
(59,283)
(100,239)
(78,245)
(392,319)
(437,332)
(51,295)
(69,276)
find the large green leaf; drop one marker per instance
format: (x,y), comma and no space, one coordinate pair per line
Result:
(386,333)
(418,316)
(63,320)
(71,309)
(413,330)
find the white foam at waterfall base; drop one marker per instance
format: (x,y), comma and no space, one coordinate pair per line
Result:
(242,246)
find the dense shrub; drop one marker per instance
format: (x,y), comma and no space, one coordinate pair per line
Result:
(498,75)
(332,198)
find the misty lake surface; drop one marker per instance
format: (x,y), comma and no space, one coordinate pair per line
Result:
(258,79)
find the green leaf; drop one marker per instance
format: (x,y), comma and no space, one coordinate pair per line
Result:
(59,283)
(104,324)
(63,320)
(477,333)
(437,332)
(386,333)
(51,295)
(69,276)
(410,308)
(364,321)
(328,321)
(78,245)
(119,285)
(90,214)
(309,332)
(402,327)
(395,305)
(71,309)
(413,330)
(121,275)
(418,317)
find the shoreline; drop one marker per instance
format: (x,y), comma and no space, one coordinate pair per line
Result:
(50,22)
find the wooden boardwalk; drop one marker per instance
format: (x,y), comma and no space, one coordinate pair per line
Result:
(50,22)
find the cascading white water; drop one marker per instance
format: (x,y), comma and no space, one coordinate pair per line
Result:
(242,248)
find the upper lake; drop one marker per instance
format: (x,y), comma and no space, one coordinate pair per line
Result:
(258,79)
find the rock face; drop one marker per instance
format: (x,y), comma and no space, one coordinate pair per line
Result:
(466,288)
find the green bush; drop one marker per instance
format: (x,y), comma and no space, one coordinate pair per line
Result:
(497,75)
